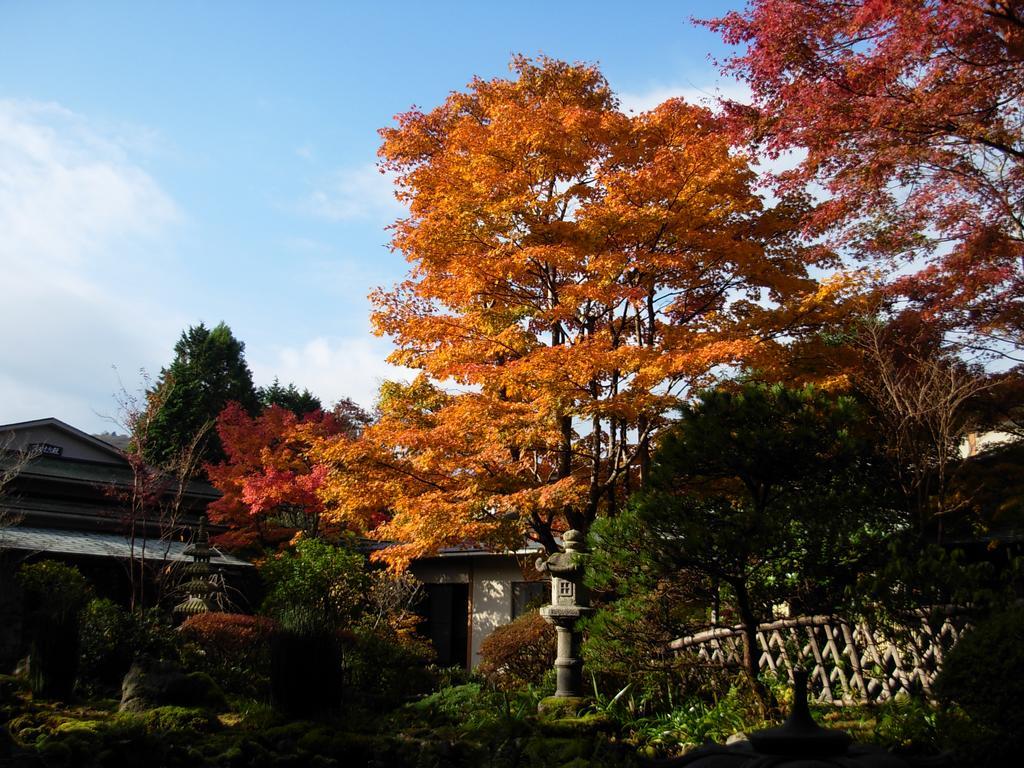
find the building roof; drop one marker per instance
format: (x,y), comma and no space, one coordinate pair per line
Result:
(67,478)
(99,475)
(468,549)
(72,493)
(94,442)
(121,442)
(104,545)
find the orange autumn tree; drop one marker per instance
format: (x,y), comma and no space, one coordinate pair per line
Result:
(270,481)
(575,271)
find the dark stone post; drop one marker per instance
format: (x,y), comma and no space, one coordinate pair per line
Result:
(569,601)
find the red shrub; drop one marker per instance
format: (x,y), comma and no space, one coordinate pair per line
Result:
(518,653)
(228,637)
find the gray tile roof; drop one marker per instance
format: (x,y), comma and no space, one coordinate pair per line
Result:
(103,545)
(99,476)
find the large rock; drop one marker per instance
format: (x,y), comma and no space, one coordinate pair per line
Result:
(151,684)
(11,687)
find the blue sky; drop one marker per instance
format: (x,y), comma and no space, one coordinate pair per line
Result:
(163,164)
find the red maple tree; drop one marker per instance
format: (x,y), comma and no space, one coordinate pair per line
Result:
(911,117)
(271,481)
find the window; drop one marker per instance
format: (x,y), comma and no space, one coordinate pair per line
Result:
(529,595)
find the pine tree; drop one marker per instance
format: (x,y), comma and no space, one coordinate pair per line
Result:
(208,372)
(289,398)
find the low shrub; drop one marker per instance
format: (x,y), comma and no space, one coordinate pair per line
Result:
(983,675)
(452,704)
(55,595)
(107,644)
(233,648)
(908,725)
(227,635)
(112,639)
(472,713)
(383,669)
(694,722)
(518,654)
(305,670)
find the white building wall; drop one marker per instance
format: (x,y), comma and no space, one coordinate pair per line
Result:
(491,601)
(979,442)
(490,595)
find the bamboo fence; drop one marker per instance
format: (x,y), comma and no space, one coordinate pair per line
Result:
(847,662)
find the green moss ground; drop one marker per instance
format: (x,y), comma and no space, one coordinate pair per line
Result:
(460,729)
(461,726)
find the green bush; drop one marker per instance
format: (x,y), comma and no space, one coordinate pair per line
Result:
(470,711)
(54,588)
(108,639)
(327,639)
(908,725)
(519,653)
(473,713)
(318,582)
(452,704)
(383,669)
(156,637)
(55,595)
(984,675)
(626,640)
(626,647)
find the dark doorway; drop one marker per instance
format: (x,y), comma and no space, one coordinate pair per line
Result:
(446,622)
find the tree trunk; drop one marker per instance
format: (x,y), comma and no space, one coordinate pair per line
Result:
(751,650)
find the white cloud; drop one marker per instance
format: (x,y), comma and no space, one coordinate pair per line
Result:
(65,190)
(331,368)
(75,213)
(704,95)
(355,193)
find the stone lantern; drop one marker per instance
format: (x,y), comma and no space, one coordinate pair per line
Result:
(569,601)
(200,588)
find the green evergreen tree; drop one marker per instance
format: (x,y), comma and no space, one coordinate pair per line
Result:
(759,495)
(289,398)
(208,372)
